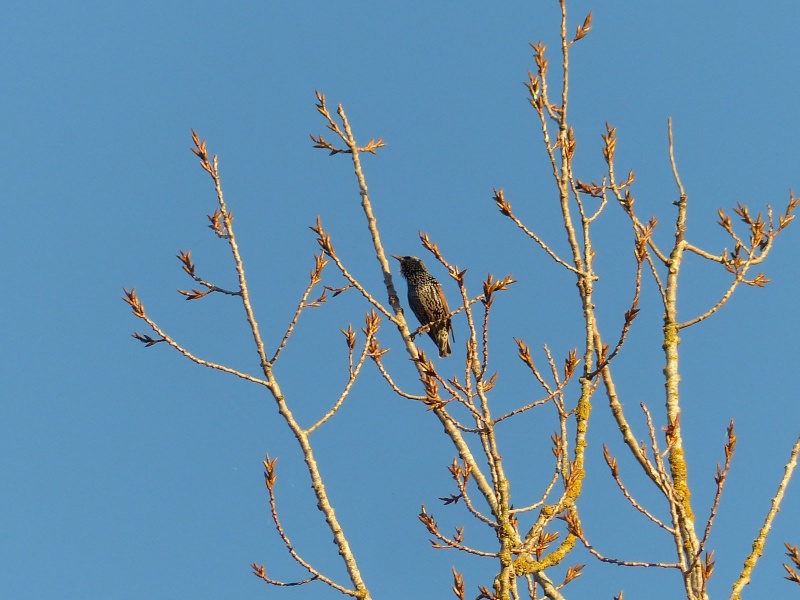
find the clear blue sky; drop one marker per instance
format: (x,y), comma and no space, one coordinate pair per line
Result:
(131,473)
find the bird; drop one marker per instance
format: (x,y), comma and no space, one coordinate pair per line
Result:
(427,300)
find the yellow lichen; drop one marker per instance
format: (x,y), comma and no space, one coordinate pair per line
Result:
(523,566)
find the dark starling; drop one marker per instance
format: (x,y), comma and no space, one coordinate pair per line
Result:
(426,298)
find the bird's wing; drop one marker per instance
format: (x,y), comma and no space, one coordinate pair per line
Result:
(448,325)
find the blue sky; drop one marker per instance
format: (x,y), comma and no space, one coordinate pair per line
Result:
(131,473)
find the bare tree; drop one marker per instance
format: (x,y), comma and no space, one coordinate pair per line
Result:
(534,535)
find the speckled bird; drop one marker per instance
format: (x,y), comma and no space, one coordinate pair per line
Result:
(426,298)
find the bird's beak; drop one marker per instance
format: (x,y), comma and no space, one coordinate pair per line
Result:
(400,258)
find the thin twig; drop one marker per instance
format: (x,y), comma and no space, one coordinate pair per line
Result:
(395,388)
(672,162)
(625,563)
(761,538)
(612,465)
(350,381)
(534,404)
(543,497)
(314,280)
(270,478)
(449,543)
(261,572)
(505,208)
(719,478)
(132,299)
